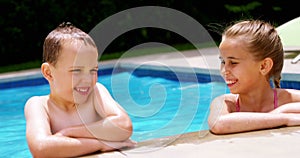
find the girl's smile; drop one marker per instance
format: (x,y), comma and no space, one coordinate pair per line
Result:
(231,82)
(238,68)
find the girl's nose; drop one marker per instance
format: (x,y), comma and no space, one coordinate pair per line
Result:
(225,70)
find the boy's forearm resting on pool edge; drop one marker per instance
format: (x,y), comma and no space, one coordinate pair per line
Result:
(112,128)
(60,146)
(248,121)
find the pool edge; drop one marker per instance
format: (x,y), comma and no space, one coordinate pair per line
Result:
(247,145)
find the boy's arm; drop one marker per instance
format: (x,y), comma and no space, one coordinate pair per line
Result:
(221,121)
(42,143)
(115,125)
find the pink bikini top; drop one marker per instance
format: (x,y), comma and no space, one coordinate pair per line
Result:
(275,101)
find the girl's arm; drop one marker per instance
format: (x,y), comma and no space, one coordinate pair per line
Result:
(223,121)
(247,121)
(290,101)
(288,108)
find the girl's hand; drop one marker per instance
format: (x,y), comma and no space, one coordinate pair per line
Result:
(293,119)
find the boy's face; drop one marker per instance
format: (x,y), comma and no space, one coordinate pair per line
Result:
(75,73)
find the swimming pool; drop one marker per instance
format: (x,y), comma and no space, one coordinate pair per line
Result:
(158,104)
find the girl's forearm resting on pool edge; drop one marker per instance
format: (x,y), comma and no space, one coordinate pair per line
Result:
(248,121)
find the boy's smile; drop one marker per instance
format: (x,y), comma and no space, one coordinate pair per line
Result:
(82,90)
(76,72)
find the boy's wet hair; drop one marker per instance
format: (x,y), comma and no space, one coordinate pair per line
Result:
(262,40)
(56,38)
(65,24)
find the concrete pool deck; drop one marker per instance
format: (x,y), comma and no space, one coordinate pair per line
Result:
(275,143)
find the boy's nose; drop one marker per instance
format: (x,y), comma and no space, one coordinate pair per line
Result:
(87,77)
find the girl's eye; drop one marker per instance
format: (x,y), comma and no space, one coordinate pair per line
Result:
(222,61)
(233,63)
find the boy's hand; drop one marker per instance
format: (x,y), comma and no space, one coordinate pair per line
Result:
(110,145)
(61,133)
(107,145)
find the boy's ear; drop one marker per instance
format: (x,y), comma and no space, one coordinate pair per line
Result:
(46,71)
(266,66)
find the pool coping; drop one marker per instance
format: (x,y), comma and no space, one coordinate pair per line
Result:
(184,61)
(275,143)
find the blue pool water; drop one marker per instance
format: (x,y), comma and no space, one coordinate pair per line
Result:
(158,106)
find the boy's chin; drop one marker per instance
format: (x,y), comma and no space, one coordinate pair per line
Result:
(81,101)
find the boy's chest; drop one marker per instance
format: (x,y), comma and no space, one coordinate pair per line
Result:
(61,119)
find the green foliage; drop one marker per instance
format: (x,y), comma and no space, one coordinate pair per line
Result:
(21,66)
(243,8)
(25,23)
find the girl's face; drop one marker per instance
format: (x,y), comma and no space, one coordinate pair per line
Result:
(238,67)
(75,73)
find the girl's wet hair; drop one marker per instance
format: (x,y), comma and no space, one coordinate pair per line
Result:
(263,41)
(56,38)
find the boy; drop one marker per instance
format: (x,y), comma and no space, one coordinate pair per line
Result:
(79,116)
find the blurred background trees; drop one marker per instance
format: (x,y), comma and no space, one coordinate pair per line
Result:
(25,23)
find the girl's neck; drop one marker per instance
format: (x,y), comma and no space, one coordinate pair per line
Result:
(257,100)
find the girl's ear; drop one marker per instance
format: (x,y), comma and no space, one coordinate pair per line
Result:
(266,66)
(46,71)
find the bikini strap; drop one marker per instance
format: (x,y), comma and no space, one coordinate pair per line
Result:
(275,99)
(237,107)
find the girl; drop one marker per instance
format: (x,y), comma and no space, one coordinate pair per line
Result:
(251,54)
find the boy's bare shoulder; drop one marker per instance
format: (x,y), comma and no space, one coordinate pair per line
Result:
(36,106)
(100,86)
(37,101)
(101,89)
